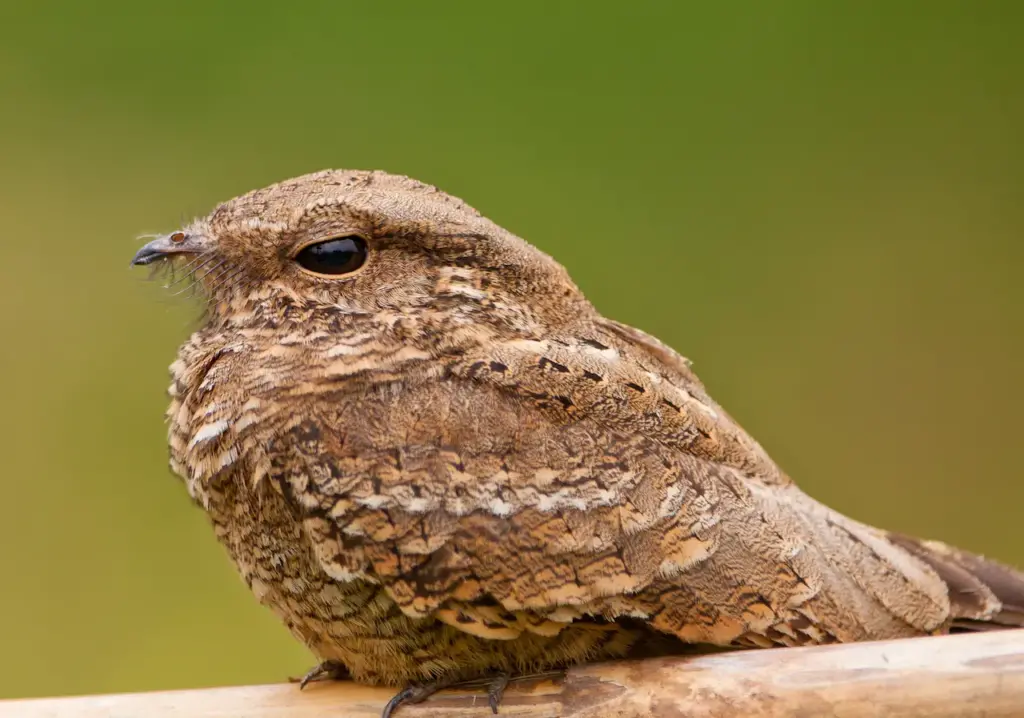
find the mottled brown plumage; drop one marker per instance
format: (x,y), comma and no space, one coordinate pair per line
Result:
(447,464)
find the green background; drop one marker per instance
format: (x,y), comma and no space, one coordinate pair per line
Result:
(818,202)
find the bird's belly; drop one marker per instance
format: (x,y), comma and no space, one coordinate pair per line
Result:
(357,623)
(353,621)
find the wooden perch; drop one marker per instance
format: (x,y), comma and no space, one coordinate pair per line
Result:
(969,675)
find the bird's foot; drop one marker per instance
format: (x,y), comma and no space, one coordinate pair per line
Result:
(326,671)
(413,694)
(495,685)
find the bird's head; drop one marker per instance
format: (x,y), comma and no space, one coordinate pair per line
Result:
(355,244)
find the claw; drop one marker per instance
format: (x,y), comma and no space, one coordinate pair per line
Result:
(326,671)
(495,691)
(412,694)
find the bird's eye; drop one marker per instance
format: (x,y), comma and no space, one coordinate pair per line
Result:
(341,255)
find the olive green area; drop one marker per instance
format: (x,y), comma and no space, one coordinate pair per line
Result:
(818,202)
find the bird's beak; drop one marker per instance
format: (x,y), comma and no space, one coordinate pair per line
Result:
(165,246)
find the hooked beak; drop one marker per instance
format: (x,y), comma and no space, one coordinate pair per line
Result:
(166,246)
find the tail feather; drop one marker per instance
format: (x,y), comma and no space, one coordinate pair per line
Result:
(983,594)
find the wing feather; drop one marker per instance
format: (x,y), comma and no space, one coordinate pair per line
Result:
(588,476)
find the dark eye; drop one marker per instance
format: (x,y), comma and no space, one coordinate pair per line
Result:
(333,256)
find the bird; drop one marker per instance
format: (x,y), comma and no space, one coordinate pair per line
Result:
(435,461)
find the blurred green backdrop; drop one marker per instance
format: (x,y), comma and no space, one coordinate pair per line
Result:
(820,203)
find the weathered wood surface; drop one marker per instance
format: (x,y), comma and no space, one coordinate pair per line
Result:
(961,676)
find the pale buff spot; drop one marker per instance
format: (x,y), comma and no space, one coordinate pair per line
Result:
(348,350)
(207,432)
(293,339)
(499,507)
(529,345)
(560,500)
(704,407)
(475,628)
(694,401)
(245,422)
(685,555)
(544,477)
(616,585)
(419,504)
(466,291)
(608,354)
(690,400)
(403,355)
(223,459)
(564,614)
(672,501)
(344,575)
(373,502)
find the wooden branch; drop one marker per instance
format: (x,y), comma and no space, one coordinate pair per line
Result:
(970,675)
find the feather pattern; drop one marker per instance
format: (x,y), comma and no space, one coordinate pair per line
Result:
(448,463)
